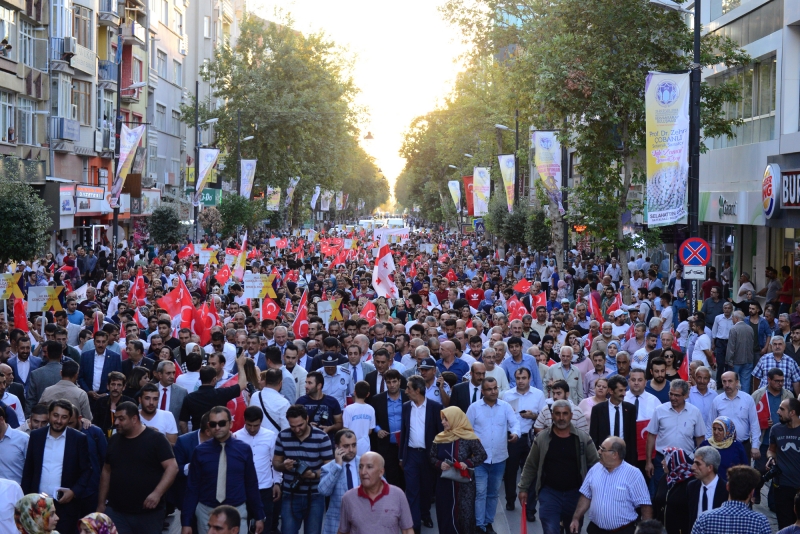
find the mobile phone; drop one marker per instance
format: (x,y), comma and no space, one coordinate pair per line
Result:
(239,351)
(59,494)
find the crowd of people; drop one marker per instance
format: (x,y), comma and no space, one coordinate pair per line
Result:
(585,389)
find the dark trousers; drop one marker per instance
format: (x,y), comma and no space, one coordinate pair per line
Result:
(720,348)
(594,529)
(784,505)
(68,516)
(269,509)
(419,484)
(556,508)
(517,454)
(393,472)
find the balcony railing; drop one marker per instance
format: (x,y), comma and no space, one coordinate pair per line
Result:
(56,49)
(108,15)
(133,32)
(108,6)
(107,70)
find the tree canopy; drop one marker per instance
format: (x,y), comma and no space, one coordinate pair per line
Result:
(24,220)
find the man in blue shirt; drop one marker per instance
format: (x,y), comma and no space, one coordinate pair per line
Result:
(74,315)
(517,360)
(449,362)
(388,418)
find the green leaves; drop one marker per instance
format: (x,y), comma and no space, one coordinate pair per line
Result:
(24,221)
(165,225)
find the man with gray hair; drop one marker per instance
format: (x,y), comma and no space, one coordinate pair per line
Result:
(778,358)
(706,491)
(740,349)
(720,331)
(606,336)
(673,424)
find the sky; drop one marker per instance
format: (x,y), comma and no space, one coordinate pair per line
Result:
(406,60)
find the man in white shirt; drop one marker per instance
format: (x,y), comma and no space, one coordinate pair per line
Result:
(262,440)
(298,372)
(10,493)
(272,404)
(218,344)
(151,416)
(702,347)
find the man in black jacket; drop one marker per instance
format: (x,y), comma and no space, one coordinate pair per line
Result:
(706,491)
(383,439)
(466,393)
(615,417)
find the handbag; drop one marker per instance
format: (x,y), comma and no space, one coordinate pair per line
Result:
(455,475)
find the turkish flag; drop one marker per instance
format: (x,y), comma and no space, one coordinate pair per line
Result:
(518,313)
(468,195)
(139,288)
(269,308)
(237,406)
(616,305)
(141,320)
(631,333)
(178,302)
(412,273)
(523,286)
(451,275)
(369,313)
(403,261)
(187,251)
(762,410)
(281,243)
(224,274)
(512,304)
(589,340)
(594,308)
(96,323)
(288,305)
(683,370)
(201,324)
(300,324)
(232,251)
(641,439)
(20,314)
(293,275)
(539,300)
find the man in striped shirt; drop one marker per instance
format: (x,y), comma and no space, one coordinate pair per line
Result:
(611,492)
(300,453)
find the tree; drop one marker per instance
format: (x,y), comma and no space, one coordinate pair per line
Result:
(24,221)
(165,225)
(236,211)
(210,220)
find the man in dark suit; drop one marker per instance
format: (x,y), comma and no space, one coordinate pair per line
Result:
(71,458)
(388,418)
(375,379)
(46,375)
(623,423)
(93,385)
(136,358)
(416,438)
(706,489)
(170,395)
(23,364)
(466,393)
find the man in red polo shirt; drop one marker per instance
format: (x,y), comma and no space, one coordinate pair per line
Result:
(360,515)
(787,291)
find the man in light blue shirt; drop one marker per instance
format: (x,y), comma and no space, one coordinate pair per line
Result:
(740,408)
(496,424)
(701,396)
(517,360)
(13,447)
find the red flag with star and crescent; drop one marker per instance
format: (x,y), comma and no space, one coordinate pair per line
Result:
(178,302)
(369,313)
(762,410)
(139,287)
(300,324)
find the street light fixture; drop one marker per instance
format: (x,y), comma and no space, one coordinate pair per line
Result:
(452,166)
(501,127)
(137,85)
(669,4)
(248,138)
(212,121)
(468,156)
(369,137)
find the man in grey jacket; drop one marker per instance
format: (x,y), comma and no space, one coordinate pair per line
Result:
(740,352)
(45,376)
(557,488)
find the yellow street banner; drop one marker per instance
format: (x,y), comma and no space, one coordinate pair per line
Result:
(208,256)
(41,299)
(667,112)
(258,286)
(9,286)
(507,171)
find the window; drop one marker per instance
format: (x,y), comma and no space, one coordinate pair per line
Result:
(177,22)
(61,95)
(8,31)
(177,72)
(161,64)
(81,97)
(137,70)
(26,122)
(135,121)
(176,123)
(207,27)
(61,22)
(757,107)
(26,48)
(6,117)
(161,118)
(83,27)
(758,23)
(165,12)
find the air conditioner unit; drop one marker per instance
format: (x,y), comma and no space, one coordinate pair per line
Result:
(183,47)
(70,46)
(73,112)
(149,180)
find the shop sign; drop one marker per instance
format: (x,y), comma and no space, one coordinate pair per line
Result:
(727,208)
(769,189)
(88,191)
(790,189)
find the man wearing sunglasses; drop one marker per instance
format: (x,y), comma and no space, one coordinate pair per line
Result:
(222,471)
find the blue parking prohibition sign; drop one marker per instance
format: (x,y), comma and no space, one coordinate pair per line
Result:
(694,251)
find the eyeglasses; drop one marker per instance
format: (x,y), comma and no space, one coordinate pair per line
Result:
(215,424)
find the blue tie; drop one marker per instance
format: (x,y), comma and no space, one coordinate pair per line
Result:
(349,477)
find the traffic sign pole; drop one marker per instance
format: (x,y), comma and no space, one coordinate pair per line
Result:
(694,252)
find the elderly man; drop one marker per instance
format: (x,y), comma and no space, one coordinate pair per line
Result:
(778,358)
(701,396)
(612,492)
(449,362)
(720,330)
(607,335)
(739,354)
(740,408)
(567,372)
(707,491)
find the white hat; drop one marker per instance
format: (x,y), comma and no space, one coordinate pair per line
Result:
(619,313)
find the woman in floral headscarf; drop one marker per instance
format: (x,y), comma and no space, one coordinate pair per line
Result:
(671,502)
(97,524)
(35,513)
(731,450)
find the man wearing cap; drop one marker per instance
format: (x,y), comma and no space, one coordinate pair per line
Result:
(436,388)
(620,327)
(337,378)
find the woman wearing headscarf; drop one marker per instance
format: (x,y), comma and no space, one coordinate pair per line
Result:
(731,450)
(671,502)
(611,355)
(35,513)
(456,447)
(97,524)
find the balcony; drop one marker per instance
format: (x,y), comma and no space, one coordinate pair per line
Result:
(59,62)
(134,34)
(152,79)
(130,96)
(227,10)
(108,15)
(107,75)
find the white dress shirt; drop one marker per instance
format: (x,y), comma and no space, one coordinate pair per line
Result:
(711,488)
(23,369)
(263,445)
(472,388)
(97,376)
(164,390)
(532,400)
(10,493)
(492,425)
(416,432)
(647,404)
(52,463)
(722,327)
(13,402)
(612,414)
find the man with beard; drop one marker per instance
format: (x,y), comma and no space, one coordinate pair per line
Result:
(153,417)
(783,440)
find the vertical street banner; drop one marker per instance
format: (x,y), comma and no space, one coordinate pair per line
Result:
(339,201)
(481,190)
(468,196)
(547,161)
(325,201)
(507,171)
(248,176)
(290,190)
(129,138)
(273,199)
(667,111)
(208,157)
(315,197)
(455,192)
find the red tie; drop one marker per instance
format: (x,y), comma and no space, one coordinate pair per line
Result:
(164,399)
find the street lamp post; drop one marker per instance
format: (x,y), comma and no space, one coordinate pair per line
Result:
(239,150)
(197,154)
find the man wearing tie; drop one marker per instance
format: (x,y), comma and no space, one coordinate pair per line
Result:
(280,338)
(358,369)
(222,471)
(706,491)
(615,417)
(170,395)
(339,476)
(388,416)
(467,393)
(375,379)
(422,420)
